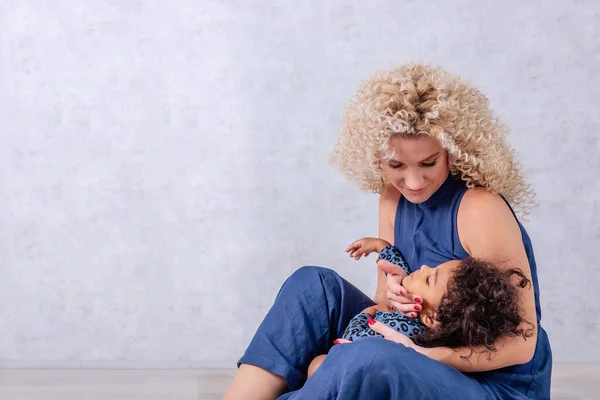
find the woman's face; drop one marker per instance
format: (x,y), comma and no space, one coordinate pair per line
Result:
(418,168)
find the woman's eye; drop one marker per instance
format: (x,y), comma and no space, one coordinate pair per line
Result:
(395,166)
(428,165)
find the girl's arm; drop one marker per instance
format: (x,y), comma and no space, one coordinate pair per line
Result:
(487,229)
(388,203)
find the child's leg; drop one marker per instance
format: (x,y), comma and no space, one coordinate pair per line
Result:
(316,363)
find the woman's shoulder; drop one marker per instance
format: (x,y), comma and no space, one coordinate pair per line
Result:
(480,200)
(483,214)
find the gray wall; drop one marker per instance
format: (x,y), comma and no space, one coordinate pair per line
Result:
(164,168)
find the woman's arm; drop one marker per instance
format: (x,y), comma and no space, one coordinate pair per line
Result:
(487,229)
(388,203)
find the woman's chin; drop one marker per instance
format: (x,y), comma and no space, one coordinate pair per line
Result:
(416,198)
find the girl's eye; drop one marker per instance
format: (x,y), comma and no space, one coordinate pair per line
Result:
(428,165)
(395,166)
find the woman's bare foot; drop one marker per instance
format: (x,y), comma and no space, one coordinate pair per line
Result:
(254,383)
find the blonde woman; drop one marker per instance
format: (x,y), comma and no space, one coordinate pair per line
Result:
(448,182)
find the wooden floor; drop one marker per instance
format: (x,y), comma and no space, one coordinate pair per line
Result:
(576,381)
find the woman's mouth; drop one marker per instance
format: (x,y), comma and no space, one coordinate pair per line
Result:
(415,192)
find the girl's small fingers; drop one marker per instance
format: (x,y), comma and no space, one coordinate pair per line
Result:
(359,252)
(354,245)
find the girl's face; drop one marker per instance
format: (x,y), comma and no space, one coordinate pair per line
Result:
(431,284)
(418,167)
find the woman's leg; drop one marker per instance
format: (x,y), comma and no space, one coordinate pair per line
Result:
(375,368)
(311,310)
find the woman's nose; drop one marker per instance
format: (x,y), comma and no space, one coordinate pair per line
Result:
(413,181)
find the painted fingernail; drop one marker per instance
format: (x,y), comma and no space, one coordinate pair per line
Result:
(371,321)
(418,300)
(401,293)
(336,341)
(413,315)
(417,307)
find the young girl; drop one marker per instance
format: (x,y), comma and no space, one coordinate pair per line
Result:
(466,302)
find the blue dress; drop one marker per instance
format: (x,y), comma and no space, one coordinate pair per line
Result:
(315,305)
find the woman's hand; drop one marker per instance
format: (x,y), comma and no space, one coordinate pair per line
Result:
(395,336)
(389,334)
(407,303)
(366,246)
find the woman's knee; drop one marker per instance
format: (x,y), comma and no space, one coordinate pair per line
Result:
(310,276)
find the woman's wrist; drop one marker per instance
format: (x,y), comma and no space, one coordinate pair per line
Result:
(381,297)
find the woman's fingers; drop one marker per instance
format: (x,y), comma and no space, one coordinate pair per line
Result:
(406,309)
(416,299)
(390,334)
(341,341)
(391,269)
(406,304)
(394,286)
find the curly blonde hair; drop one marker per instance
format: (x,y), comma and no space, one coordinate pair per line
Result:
(417,100)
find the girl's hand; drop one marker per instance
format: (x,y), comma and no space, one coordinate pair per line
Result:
(366,246)
(408,304)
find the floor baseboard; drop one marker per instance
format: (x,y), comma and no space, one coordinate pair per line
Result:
(569,381)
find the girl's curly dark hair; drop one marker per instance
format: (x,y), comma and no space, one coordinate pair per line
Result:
(480,305)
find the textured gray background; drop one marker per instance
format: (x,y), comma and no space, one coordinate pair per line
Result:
(164,167)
